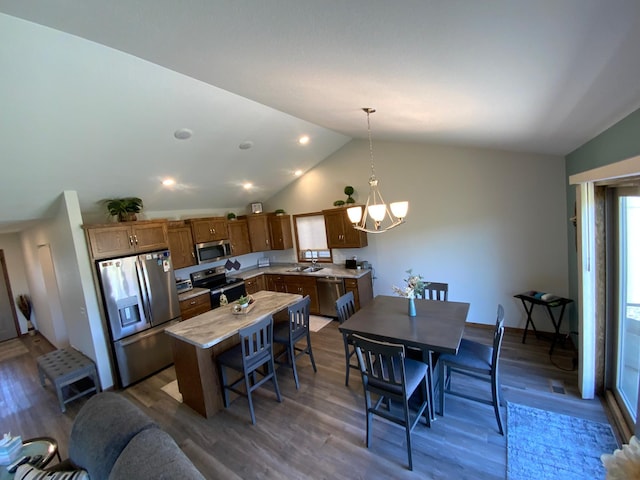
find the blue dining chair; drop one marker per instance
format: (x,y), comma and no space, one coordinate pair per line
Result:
(254,351)
(478,361)
(387,372)
(345,307)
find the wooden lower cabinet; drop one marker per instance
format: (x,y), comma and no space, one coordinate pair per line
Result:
(194,306)
(304,286)
(255,284)
(275,283)
(362,289)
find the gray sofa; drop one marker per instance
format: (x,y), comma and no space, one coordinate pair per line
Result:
(112,439)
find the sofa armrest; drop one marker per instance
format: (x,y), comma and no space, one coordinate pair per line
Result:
(153,454)
(102,429)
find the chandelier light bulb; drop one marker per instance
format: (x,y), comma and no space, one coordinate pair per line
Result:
(399,209)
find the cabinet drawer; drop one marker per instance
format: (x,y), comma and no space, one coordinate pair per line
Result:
(195,306)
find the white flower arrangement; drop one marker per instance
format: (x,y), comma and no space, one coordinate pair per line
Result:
(415,285)
(623,463)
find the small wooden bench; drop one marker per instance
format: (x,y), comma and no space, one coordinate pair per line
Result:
(72,374)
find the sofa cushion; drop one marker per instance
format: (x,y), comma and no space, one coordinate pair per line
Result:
(153,454)
(102,429)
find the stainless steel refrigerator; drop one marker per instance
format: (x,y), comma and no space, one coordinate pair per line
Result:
(140,301)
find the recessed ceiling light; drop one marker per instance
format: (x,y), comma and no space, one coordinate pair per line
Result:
(246,145)
(303,140)
(297,173)
(248,185)
(183,134)
(167,182)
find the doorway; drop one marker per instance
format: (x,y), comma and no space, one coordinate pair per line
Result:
(9,326)
(623,292)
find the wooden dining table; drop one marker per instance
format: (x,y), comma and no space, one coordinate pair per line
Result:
(437,327)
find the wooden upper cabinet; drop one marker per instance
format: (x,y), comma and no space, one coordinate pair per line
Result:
(259,232)
(340,231)
(181,246)
(239,237)
(280,230)
(208,229)
(126,238)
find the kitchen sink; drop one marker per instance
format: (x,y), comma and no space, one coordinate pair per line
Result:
(312,269)
(298,269)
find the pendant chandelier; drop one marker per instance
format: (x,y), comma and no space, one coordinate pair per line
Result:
(384,218)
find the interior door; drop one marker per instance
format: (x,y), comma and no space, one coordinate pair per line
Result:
(8,319)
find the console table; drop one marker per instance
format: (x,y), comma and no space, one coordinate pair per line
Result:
(531,298)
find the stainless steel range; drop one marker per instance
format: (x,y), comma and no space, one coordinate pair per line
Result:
(216,280)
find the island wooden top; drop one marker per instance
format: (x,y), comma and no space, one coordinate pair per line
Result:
(214,326)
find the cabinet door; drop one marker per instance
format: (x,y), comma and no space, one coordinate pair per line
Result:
(239,237)
(259,232)
(276,283)
(280,230)
(362,289)
(181,246)
(110,241)
(208,229)
(335,228)
(255,284)
(303,285)
(340,231)
(219,228)
(150,236)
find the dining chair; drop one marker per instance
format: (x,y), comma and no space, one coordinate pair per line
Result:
(387,373)
(291,332)
(478,361)
(254,351)
(436,291)
(345,307)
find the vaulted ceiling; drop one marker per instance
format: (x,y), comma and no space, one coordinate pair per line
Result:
(91,92)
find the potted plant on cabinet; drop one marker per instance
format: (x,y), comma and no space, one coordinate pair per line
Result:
(126,209)
(231,216)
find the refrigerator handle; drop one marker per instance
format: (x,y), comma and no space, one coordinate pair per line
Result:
(143,278)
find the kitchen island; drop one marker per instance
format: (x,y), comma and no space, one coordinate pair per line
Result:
(196,343)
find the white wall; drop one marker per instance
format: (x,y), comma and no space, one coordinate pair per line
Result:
(16,270)
(490,223)
(78,322)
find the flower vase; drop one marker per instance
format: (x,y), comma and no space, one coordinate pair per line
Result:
(412,307)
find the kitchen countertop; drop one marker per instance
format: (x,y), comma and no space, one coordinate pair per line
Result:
(214,326)
(194,292)
(328,270)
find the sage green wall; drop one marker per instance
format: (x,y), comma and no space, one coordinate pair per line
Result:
(619,142)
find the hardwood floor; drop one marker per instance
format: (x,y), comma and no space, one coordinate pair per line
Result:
(319,430)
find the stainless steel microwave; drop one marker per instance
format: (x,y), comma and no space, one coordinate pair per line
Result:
(213,251)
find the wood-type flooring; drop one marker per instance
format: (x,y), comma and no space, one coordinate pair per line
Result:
(319,430)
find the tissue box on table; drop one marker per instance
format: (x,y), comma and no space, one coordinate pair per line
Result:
(9,448)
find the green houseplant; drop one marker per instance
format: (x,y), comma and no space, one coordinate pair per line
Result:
(126,209)
(231,216)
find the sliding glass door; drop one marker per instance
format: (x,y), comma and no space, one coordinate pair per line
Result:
(625,292)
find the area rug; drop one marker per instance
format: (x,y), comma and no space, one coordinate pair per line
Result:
(317,323)
(172,390)
(543,445)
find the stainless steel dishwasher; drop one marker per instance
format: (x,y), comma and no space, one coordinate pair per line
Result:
(329,290)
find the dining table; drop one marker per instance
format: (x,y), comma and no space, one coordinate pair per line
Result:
(436,327)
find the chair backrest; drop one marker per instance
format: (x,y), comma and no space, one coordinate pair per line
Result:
(436,291)
(299,318)
(256,341)
(345,307)
(381,364)
(498,335)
